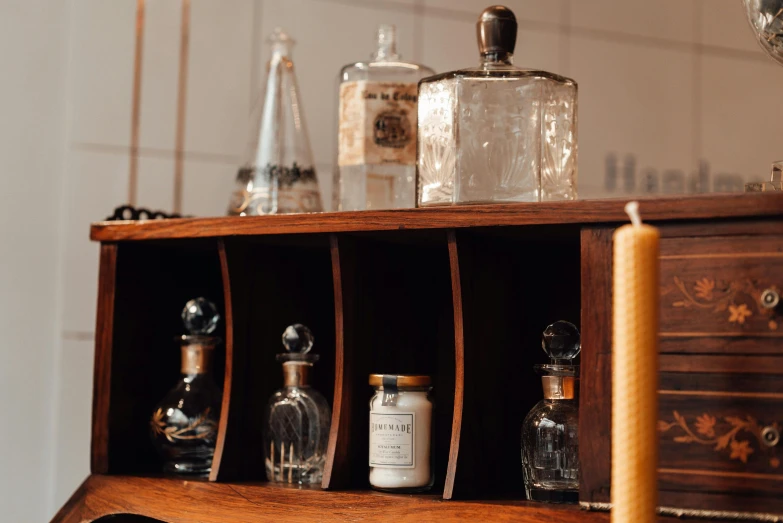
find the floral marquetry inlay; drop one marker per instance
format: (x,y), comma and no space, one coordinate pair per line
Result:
(737,301)
(703,431)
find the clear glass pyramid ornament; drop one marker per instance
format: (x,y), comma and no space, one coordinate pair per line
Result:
(297,418)
(550,443)
(184,424)
(278,174)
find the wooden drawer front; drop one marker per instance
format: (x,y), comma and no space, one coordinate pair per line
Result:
(711,294)
(714,438)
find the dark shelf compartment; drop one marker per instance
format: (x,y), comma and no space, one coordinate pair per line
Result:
(153,282)
(514,282)
(397,318)
(274,282)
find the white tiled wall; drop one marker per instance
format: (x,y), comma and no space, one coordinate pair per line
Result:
(670,83)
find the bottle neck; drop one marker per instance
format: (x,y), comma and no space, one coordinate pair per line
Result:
(558,387)
(387,45)
(296,373)
(496,58)
(196,358)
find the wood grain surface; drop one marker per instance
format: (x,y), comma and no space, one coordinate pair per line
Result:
(580,211)
(178,501)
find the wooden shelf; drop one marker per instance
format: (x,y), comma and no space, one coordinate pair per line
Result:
(179,501)
(541,213)
(458,293)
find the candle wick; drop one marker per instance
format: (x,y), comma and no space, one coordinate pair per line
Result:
(632,209)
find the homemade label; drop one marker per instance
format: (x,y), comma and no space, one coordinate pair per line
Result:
(391,440)
(377,123)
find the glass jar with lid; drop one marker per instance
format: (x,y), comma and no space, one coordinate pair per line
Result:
(401,433)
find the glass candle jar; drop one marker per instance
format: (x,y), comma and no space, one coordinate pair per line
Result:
(400,433)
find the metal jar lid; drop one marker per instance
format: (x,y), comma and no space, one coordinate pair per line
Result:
(403,381)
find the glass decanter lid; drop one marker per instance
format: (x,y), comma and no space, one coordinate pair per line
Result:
(200,318)
(561,342)
(297,340)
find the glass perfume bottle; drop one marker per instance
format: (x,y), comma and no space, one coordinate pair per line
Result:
(278,175)
(550,440)
(496,133)
(297,418)
(184,424)
(376,150)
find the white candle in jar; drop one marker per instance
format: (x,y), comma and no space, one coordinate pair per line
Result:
(400,432)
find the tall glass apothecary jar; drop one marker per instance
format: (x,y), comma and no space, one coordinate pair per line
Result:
(376,130)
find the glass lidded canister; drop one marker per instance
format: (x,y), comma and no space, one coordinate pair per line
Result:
(401,433)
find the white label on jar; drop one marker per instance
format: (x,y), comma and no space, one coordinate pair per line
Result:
(391,440)
(377,123)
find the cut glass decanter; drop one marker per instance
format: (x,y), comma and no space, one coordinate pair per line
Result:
(297,417)
(278,175)
(550,441)
(184,424)
(496,133)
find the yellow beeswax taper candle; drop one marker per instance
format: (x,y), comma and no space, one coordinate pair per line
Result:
(635,371)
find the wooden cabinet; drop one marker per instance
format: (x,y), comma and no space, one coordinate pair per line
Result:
(459,293)
(721,380)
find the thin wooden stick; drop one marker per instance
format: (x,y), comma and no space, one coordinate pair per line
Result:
(282,461)
(291,463)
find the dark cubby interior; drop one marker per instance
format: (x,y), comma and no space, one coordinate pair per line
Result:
(399,319)
(514,283)
(153,282)
(274,282)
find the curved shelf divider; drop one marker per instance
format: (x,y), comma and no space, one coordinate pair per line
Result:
(225,408)
(337,459)
(459,366)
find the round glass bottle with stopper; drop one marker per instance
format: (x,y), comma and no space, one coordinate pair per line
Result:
(550,444)
(297,419)
(184,424)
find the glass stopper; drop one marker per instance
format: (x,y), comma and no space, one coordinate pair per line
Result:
(561,341)
(200,317)
(298,339)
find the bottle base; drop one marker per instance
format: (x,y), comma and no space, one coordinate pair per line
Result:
(188,468)
(403,490)
(552,496)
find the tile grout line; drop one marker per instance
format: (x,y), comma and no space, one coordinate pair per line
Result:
(136,104)
(696,86)
(558,27)
(75,335)
(565,38)
(182,84)
(418,31)
(254,57)
(151,152)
